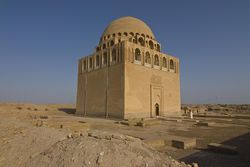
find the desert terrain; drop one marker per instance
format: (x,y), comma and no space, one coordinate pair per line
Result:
(52,135)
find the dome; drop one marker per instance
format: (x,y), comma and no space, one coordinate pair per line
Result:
(128,24)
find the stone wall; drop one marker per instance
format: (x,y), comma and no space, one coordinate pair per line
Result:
(100,92)
(145,86)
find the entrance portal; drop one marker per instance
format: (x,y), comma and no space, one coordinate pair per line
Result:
(157,108)
(156,101)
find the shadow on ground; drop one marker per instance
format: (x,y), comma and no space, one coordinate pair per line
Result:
(68,110)
(211,159)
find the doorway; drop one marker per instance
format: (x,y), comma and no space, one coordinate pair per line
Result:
(157,109)
(155,100)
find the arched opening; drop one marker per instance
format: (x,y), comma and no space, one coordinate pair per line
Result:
(164,62)
(112,43)
(113,35)
(125,33)
(137,54)
(108,36)
(171,66)
(113,55)
(131,33)
(141,41)
(90,62)
(84,65)
(151,44)
(104,46)
(120,34)
(97,61)
(156,60)
(157,109)
(97,48)
(158,48)
(147,58)
(105,58)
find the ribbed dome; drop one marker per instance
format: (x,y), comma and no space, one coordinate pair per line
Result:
(128,24)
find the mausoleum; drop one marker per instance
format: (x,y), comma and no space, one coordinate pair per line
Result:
(127,76)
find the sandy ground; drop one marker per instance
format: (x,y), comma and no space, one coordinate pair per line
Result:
(50,135)
(37,134)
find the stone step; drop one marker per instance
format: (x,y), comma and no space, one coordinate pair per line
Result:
(205,123)
(156,142)
(183,142)
(173,141)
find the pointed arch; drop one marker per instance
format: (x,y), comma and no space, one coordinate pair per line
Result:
(137,54)
(156,60)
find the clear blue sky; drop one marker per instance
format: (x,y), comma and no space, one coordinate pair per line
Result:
(41,41)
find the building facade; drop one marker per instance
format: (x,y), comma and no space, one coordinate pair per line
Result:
(128,76)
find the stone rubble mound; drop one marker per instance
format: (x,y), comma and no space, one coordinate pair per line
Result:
(96,148)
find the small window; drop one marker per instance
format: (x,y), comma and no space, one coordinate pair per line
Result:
(119,33)
(113,35)
(156,60)
(125,33)
(97,61)
(105,58)
(137,54)
(108,36)
(132,34)
(171,66)
(147,58)
(113,55)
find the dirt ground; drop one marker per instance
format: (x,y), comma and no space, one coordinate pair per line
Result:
(51,135)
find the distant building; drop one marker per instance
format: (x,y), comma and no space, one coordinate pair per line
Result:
(128,76)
